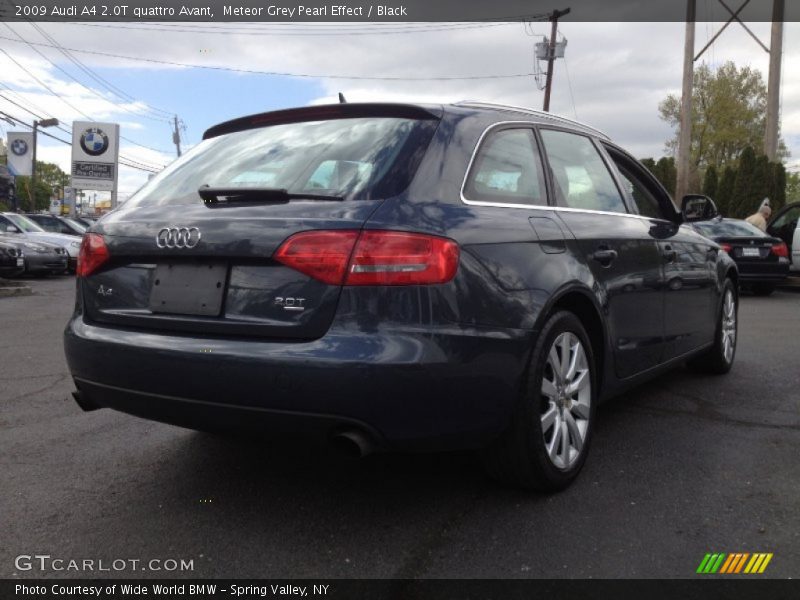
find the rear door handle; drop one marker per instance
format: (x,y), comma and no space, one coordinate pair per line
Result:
(605,256)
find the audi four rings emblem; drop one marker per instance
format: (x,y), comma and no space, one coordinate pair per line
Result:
(178,237)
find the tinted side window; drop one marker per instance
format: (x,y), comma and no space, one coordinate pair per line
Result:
(581,178)
(507,169)
(646,203)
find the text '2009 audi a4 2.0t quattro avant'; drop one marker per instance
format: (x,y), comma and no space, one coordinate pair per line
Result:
(398,277)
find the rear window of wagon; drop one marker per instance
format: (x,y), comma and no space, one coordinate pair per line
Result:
(355,158)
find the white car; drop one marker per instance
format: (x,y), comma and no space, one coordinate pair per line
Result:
(786,225)
(20,225)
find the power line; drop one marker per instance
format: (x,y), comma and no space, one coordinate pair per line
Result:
(128,163)
(277,73)
(157,113)
(149,167)
(296,31)
(73,107)
(89,89)
(59,96)
(125,162)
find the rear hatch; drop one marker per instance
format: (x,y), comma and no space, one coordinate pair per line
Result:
(181,262)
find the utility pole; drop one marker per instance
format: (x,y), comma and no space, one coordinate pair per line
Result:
(774,85)
(685,134)
(176,136)
(551,55)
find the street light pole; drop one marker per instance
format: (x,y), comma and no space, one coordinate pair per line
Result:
(32,187)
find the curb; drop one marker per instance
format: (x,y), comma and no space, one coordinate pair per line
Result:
(17,290)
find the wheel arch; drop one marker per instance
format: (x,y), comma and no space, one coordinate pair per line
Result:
(581,302)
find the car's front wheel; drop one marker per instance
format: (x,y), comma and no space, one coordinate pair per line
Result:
(548,440)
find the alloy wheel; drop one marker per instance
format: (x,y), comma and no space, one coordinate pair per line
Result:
(566,398)
(728,326)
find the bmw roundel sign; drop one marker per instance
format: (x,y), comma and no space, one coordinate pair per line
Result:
(19,147)
(95,155)
(94,141)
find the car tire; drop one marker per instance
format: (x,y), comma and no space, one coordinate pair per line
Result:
(532,453)
(718,360)
(763,289)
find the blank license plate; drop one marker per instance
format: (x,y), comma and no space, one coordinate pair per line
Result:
(20,262)
(752,252)
(193,289)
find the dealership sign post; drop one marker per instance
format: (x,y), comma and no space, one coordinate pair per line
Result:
(95,157)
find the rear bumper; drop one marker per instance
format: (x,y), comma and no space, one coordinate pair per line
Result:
(763,273)
(444,389)
(43,263)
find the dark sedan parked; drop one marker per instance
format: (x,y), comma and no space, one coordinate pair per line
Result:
(11,259)
(396,276)
(763,260)
(39,258)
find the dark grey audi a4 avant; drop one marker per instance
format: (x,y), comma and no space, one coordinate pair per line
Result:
(393,276)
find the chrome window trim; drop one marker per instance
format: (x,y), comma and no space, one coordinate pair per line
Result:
(532,111)
(547,207)
(501,124)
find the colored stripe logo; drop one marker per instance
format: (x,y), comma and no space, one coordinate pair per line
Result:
(736,562)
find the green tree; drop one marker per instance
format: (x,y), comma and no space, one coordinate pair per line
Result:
(762,175)
(792,190)
(710,182)
(649,163)
(740,205)
(728,114)
(777,188)
(725,187)
(49,177)
(666,172)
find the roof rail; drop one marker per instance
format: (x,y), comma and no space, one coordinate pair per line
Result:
(531,111)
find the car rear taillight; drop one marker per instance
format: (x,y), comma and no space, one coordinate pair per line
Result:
(397,258)
(93,254)
(350,257)
(323,255)
(726,247)
(781,250)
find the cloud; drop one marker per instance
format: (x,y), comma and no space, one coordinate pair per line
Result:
(613,77)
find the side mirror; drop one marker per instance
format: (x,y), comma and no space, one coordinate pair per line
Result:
(696,207)
(12,229)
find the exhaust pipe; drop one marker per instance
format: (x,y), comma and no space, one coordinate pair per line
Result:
(352,442)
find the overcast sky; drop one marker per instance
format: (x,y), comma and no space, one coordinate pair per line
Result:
(613,77)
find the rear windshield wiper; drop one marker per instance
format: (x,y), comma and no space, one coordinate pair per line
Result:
(214,195)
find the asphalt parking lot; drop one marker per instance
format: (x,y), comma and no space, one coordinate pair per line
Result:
(686,465)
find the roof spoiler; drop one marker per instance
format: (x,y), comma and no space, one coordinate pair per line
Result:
(326,112)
